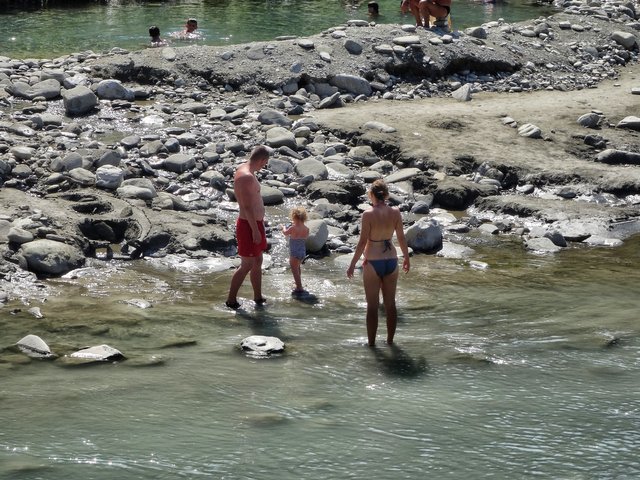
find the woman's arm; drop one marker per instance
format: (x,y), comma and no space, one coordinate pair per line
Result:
(402,241)
(365,228)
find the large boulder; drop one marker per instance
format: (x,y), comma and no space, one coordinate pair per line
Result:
(271,195)
(48,89)
(33,346)
(281,137)
(113,90)
(109,177)
(50,257)
(424,236)
(318,235)
(79,100)
(312,167)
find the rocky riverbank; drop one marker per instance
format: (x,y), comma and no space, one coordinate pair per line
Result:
(519,129)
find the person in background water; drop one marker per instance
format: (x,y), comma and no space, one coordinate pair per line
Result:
(189,31)
(423,10)
(250,232)
(380,267)
(373,9)
(154,33)
(297,233)
(413,7)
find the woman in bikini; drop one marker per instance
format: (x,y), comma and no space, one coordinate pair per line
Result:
(380,266)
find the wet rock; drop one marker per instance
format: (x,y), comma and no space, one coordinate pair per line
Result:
(541,245)
(262,345)
(50,257)
(34,347)
(424,236)
(139,303)
(99,353)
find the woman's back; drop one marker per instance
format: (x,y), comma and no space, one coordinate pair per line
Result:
(381,221)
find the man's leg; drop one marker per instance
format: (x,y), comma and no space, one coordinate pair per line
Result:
(255,276)
(246,264)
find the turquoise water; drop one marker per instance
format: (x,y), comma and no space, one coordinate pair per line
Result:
(527,369)
(53,31)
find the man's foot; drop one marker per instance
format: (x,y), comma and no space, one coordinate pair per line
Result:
(298,291)
(232,305)
(260,301)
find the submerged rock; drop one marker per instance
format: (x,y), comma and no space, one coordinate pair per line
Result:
(262,345)
(34,347)
(99,353)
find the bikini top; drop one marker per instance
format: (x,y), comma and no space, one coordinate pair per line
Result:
(387,244)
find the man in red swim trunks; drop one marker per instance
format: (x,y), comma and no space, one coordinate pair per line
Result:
(250,233)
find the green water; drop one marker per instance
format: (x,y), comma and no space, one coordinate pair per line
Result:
(509,372)
(53,31)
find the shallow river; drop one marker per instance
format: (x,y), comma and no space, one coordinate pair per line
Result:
(52,31)
(529,368)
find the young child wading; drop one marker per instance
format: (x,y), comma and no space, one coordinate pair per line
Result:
(297,233)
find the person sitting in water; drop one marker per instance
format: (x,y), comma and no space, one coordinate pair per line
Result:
(373,9)
(413,7)
(189,31)
(154,33)
(439,9)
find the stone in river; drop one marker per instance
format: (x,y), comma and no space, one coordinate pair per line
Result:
(34,347)
(99,353)
(262,345)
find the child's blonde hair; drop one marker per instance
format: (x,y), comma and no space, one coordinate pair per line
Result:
(299,213)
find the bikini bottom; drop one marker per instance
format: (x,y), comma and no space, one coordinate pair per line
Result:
(384,266)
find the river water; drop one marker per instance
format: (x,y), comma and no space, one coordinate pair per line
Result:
(97,26)
(528,368)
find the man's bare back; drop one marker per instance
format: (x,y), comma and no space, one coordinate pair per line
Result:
(247,191)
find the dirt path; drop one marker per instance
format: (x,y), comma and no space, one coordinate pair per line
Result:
(439,130)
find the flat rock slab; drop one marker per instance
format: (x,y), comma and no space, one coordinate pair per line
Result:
(262,345)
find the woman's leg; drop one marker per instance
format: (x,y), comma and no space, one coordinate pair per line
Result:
(389,284)
(371,282)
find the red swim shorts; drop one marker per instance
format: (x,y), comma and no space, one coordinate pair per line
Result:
(246,247)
